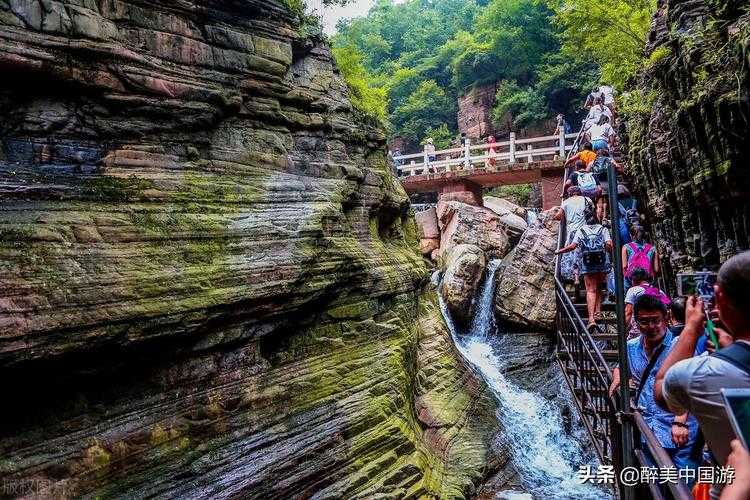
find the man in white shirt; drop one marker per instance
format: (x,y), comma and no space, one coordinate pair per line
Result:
(601,134)
(686,383)
(608,94)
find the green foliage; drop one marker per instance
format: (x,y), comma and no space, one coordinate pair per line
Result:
(365,96)
(659,54)
(441,136)
(612,33)
(524,104)
(520,194)
(454,45)
(426,108)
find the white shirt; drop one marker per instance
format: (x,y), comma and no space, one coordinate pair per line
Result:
(633,293)
(609,94)
(601,132)
(574,208)
(597,111)
(695,385)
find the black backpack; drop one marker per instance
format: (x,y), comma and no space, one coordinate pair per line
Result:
(593,252)
(600,167)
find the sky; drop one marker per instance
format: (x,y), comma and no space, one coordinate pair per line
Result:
(331,15)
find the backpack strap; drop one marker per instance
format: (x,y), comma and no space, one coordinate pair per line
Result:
(647,371)
(737,354)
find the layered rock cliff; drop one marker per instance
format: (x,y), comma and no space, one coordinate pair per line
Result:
(209,278)
(688,123)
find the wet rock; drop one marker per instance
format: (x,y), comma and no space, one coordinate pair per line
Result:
(687,146)
(467,224)
(525,290)
(210,283)
(464,268)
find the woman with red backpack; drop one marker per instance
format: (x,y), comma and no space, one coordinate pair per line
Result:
(639,254)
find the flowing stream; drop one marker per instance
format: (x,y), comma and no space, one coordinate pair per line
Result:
(546,456)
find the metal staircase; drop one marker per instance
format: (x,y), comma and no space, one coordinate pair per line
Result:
(620,436)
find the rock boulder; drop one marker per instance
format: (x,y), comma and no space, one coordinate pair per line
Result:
(525,293)
(429,232)
(467,224)
(464,267)
(510,214)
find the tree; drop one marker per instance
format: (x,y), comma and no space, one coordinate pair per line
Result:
(611,33)
(426,108)
(441,136)
(525,105)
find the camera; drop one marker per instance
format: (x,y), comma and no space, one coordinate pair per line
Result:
(699,283)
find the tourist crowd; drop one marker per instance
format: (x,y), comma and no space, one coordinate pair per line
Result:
(676,371)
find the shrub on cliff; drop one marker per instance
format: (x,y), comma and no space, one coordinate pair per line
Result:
(365,96)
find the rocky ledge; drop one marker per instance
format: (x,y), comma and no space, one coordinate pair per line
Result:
(689,161)
(209,279)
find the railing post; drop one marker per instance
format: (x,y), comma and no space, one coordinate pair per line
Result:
(627,434)
(467,153)
(426,163)
(562,143)
(512,158)
(530,149)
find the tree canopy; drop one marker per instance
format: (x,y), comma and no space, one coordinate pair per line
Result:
(545,56)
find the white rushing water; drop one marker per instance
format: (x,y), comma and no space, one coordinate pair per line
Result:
(546,456)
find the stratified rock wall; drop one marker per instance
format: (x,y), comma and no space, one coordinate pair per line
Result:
(209,278)
(688,128)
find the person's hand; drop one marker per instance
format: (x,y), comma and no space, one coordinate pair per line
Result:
(612,388)
(679,435)
(739,460)
(694,314)
(724,338)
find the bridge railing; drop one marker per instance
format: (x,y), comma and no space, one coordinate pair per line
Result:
(470,155)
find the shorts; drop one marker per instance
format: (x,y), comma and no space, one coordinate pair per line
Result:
(602,267)
(599,144)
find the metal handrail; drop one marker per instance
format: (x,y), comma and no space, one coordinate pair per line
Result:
(679,490)
(594,377)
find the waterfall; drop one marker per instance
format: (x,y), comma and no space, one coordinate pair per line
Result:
(546,456)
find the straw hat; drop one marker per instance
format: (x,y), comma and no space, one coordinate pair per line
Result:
(429,140)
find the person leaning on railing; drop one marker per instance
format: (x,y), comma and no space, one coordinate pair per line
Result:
(687,383)
(676,433)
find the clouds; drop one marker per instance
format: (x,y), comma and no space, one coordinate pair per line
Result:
(331,15)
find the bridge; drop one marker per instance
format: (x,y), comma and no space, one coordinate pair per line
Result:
(463,173)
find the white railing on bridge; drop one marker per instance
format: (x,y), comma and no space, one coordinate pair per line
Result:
(470,155)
